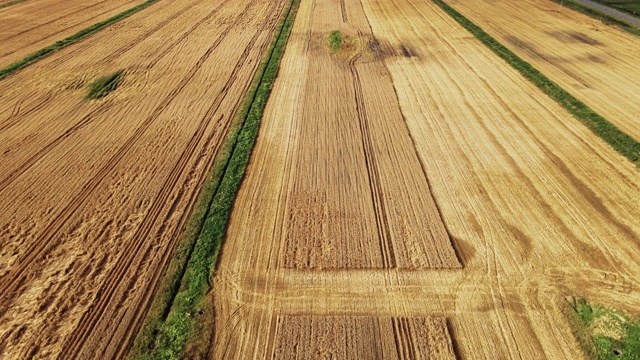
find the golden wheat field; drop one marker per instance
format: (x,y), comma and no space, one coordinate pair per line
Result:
(409,195)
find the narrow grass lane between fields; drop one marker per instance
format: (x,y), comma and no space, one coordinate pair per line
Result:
(61,44)
(620,141)
(176,319)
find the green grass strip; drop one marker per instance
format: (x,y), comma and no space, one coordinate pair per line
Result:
(606,334)
(104,85)
(11,3)
(599,15)
(621,142)
(42,53)
(184,290)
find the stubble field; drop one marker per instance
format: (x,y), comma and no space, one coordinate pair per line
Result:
(31,25)
(537,208)
(409,196)
(594,62)
(96,193)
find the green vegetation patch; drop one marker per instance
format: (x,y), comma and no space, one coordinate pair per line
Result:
(42,53)
(606,334)
(104,85)
(335,40)
(180,314)
(621,142)
(599,15)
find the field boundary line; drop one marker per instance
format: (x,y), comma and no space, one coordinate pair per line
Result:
(624,144)
(600,16)
(185,287)
(61,44)
(2,6)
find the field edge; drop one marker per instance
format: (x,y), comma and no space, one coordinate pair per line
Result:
(621,142)
(61,44)
(2,6)
(168,328)
(600,16)
(604,333)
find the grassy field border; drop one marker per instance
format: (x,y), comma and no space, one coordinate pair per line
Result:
(620,141)
(178,306)
(2,6)
(600,16)
(58,45)
(594,324)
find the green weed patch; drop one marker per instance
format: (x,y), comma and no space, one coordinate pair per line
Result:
(335,40)
(104,85)
(606,334)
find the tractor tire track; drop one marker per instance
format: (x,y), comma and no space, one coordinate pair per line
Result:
(76,341)
(88,119)
(36,250)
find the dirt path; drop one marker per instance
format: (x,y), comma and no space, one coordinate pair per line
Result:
(612,12)
(96,193)
(594,62)
(536,206)
(32,25)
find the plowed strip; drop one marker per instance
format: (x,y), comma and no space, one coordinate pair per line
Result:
(94,248)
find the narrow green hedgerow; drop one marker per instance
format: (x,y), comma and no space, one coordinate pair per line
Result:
(606,334)
(171,320)
(598,15)
(11,3)
(42,53)
(104,85)
(621,142)
(335,40)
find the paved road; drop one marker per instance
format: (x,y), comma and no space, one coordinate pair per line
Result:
(609,11)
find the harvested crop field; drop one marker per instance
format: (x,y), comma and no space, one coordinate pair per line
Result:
(596,63)
(28,26)
(410,194)
(95,193)
(361,338)
(536,208)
